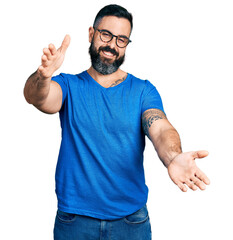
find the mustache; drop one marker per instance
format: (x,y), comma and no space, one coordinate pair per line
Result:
(108,49)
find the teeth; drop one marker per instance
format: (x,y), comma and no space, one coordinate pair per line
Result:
(108,53)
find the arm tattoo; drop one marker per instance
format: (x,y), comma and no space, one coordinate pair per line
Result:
(118,81)
(150,116)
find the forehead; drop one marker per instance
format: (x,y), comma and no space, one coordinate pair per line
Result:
(116,25)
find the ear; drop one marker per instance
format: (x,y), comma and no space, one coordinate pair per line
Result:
(91,33)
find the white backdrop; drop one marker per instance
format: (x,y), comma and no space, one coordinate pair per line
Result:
(183,47)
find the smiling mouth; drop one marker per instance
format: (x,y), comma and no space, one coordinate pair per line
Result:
(109,54)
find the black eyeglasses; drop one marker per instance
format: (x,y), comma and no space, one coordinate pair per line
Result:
(121,40)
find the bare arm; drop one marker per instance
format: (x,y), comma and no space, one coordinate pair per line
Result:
(44,94)
(39,90)
(164,136)
(181,166)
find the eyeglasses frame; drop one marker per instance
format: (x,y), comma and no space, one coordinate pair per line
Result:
(104,30)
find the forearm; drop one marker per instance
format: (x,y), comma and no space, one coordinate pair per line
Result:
(167,145)
(36,89)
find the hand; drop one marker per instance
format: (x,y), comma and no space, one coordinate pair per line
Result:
(183,170)
(53,58)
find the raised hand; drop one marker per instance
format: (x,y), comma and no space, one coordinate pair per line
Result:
(53,58)
(184,171)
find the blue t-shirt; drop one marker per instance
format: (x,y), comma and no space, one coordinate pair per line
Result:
(100,164)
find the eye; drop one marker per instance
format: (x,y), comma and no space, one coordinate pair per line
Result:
(106,34)
(122,40)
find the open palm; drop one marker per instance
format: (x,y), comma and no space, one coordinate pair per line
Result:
(53,58)
(184,171)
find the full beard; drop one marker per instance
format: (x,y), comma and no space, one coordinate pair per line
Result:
(104,66)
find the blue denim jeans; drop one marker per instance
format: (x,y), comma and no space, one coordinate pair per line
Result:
(135,226)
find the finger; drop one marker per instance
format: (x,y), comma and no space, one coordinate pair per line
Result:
(52,49)
(40,68)
(47,52)
(202,177)
(200,154)
(44,59)
(43,72)
(198,183)
(65,44)
(182,187)
(191,185)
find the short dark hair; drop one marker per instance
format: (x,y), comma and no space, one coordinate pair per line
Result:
(113,10)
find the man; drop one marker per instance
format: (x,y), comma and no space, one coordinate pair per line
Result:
(105,114)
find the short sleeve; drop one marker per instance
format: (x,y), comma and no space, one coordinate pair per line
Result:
(62,81)
(151,98)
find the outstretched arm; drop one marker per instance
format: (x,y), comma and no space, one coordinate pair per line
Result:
(181,166)
(39,90)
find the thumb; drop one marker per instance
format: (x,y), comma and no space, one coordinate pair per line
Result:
(65,44)
(200,154)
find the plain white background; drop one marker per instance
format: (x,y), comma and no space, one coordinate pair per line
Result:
(183,47)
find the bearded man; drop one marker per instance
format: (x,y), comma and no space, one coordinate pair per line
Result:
(105,114)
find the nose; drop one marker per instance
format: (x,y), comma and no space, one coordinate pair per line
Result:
(112,43)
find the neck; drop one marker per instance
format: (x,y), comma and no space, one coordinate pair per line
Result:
(106,78)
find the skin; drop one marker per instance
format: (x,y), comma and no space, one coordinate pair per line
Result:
(39,90)
(181,167)
(117,26)
(46,95)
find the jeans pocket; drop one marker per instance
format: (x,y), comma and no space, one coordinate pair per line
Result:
(140,216)
(66,217)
